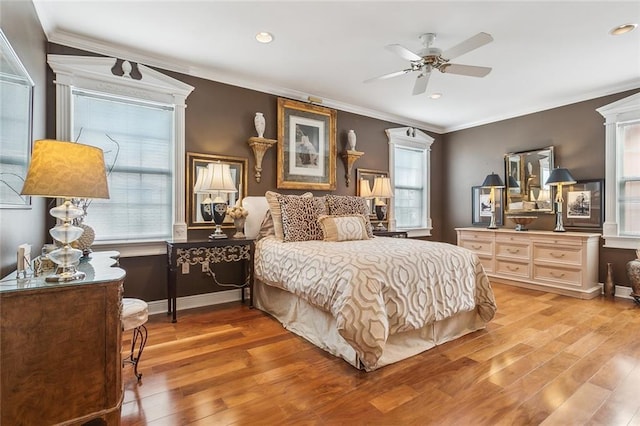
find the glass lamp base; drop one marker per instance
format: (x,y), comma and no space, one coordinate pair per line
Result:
(65,274)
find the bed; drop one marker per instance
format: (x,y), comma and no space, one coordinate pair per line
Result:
(370,300)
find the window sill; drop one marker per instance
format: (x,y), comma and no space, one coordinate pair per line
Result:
(134,249)
(416,232)
(620,242)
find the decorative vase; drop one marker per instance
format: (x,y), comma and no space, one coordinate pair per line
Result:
(259,122)
(239,224)
(609,288)
(351,139)
(85,241)
(633,272)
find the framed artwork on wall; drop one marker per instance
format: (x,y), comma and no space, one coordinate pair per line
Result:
(481,206)
(306,146)
(584,204)
(199,214)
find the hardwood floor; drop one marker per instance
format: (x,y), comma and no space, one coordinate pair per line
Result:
(545,359)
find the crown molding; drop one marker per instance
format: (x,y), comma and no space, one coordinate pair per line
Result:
(169,64)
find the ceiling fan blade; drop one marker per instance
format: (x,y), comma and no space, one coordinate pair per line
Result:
(390,75)
(468,45)
(421,82)
(403,52)
(470,70)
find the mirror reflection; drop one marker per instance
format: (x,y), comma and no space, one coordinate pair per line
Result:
(199,214)
(525,176)
(366,178)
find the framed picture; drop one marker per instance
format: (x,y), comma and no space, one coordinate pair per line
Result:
(583,204)
(481,206)
(306,146)
(199,214)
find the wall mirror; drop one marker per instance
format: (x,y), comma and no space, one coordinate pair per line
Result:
(369,176)
(198,217)
(525,175)
(16,104)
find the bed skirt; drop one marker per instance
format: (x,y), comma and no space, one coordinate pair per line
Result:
(319,327)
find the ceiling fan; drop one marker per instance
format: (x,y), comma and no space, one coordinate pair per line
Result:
(430,58)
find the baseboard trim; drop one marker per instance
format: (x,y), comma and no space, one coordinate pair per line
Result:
(196,301)
(623,292)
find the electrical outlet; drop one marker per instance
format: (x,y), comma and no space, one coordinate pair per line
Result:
(185,268)
(205,267)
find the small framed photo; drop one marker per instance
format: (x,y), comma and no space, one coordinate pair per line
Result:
(481,206)
(306,146)
(583,204)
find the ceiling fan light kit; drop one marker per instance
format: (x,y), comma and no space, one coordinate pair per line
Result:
(431,58)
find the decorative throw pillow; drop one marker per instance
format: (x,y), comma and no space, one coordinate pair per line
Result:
(344,228)
(349,205)
(274,208)
(300,217)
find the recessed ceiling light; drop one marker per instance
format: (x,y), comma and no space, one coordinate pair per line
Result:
(623,29)
(264,37)
(435,95)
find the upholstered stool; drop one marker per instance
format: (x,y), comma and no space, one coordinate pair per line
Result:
(135,313)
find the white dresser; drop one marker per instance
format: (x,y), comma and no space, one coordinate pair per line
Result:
(557,262)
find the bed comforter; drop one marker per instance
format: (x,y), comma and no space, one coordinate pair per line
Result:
(378,287)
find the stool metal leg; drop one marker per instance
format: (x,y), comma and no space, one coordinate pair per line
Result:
(139,332)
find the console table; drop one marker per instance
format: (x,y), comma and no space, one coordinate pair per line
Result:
(557,262)
(60,346)
(182,255)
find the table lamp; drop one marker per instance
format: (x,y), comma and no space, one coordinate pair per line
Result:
(66,170)
(381,190)
(206,208)
(218,180)
(492,181)
(558,177)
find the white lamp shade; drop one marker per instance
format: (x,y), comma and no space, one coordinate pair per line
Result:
(218,178)
(365,189)
(198,188)
(382,187)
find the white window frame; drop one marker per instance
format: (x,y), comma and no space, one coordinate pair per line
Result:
(409,137)
(621,111)
(94,74)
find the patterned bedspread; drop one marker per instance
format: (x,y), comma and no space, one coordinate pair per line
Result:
(378,287)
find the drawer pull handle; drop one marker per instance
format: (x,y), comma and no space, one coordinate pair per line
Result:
(513,268)
(558,255)
(554,275)
(475,247)
(510,250)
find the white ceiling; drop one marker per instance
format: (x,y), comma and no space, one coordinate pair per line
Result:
(544,54)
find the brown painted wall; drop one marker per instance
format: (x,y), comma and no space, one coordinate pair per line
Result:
(219,120)
(20,24)
(575,131)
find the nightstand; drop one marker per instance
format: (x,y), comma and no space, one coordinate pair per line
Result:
(393,234)
(182,255)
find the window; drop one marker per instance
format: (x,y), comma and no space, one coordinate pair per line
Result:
(409,163)
(137,118)
(621,228)
(137,141)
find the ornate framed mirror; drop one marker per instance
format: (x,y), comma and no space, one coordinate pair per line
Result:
(197,215)
(525,175)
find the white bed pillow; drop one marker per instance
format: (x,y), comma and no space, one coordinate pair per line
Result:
(344,228)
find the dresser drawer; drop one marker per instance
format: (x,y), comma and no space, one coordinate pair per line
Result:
(567,255)
(557,275)
(478,246)
(511,268)
(487,263)
(512,250)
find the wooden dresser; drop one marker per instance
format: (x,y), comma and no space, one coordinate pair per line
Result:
(60,347)
(558,262)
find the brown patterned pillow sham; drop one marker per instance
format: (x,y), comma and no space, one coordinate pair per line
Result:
(349,205)
(300,217)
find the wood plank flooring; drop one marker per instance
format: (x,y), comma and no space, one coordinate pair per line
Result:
(545,359)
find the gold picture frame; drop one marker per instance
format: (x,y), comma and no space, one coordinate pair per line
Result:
(195,161)
(306,146)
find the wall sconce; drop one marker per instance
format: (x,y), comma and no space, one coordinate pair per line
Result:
(558,177)
(259,146)
(492,182)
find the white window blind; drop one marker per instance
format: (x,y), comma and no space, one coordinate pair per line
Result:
(137,140)
(629,178)
(409,169)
